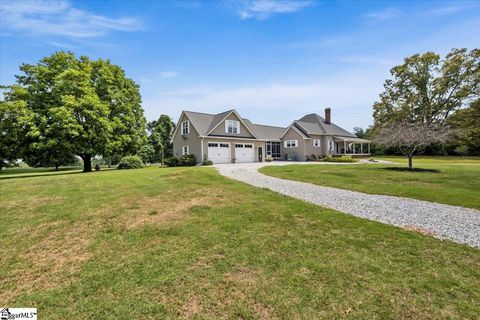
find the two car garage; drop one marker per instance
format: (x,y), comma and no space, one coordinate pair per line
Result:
(221,152)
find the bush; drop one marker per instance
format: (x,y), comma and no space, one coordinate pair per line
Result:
(97,167)
(207,162)
(146,153)
(268,158)
(130,162)
(183,161)
(330,158)
(171,162)
(187,160)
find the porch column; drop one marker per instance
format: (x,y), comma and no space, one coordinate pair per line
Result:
(361,147)
(353,146)
(369,148)
(344,147)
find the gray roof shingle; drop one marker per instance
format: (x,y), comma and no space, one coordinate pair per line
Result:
(314,124)
(311,124)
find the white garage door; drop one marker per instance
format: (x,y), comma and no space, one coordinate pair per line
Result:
(219,152)
(244,153)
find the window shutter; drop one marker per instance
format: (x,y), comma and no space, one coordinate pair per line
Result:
(285,144)
(238,127)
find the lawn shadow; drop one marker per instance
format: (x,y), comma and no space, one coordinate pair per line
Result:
(34,175)
(406,169)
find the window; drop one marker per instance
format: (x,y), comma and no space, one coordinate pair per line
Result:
(291,143)
(330,145)
(212,144)
(316,143)
(185,150)
(249,146)
(224,145)
(185,127)
(238,145)
(232,126)
(273,149)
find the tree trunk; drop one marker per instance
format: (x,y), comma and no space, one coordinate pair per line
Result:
(410,164)
(110,161)
(87,163)
(56,167)
(161,158)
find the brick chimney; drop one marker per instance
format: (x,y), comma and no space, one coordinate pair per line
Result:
(328,115)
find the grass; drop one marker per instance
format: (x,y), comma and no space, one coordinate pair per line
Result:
(456,183)
(188,243)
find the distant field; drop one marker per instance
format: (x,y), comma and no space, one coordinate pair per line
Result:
(458,182)
(188,243)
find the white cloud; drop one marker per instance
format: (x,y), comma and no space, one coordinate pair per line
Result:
(168,74)
(384,14)
(60,18)
(263,9)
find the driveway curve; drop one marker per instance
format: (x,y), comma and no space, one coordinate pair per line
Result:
(443,221)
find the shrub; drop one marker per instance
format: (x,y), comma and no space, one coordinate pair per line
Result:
(97,167)
(330,158)
(130,162)
(268,158)
(183,161)
(171,162)
(207,162)
(146,153)
(187,160)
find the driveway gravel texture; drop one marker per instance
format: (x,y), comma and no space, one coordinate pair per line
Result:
(443,221)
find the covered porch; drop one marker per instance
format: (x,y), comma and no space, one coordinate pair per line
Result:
(351,146)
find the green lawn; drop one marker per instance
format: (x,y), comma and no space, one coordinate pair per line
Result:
(457,183)
(187,243)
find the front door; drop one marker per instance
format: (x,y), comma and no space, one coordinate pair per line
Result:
(260,154)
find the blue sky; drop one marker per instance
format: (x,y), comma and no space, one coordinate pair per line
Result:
(273,61)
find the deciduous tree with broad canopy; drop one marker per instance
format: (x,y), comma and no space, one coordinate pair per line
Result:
(78,106)
(424,92)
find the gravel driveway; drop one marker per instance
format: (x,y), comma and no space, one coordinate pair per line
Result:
(442,221)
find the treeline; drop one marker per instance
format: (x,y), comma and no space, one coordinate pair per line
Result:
(64,108)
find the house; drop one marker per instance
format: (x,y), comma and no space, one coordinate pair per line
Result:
(228,138)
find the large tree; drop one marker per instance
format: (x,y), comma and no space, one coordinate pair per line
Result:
(160,135)
(81,107)
(426,90)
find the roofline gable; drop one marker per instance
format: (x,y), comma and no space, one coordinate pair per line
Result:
(239,118)
(291,126)
(178,124)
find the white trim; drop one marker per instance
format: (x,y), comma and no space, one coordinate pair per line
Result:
(315,142)
(234,123)
(177,126)
(296,129)
(183,150)
(286,142)
(188,126)
(234,138)
(239,118)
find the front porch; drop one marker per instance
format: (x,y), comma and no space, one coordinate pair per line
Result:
(351,146)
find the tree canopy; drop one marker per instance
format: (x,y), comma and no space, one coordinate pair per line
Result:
(160,135)
(427,89)
(78,106)
(423,94)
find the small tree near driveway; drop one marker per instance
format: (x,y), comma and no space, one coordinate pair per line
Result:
(409,137)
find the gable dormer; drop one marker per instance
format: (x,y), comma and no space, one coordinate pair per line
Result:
(231,125)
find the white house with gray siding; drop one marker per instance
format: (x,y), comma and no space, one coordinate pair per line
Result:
(228,138)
